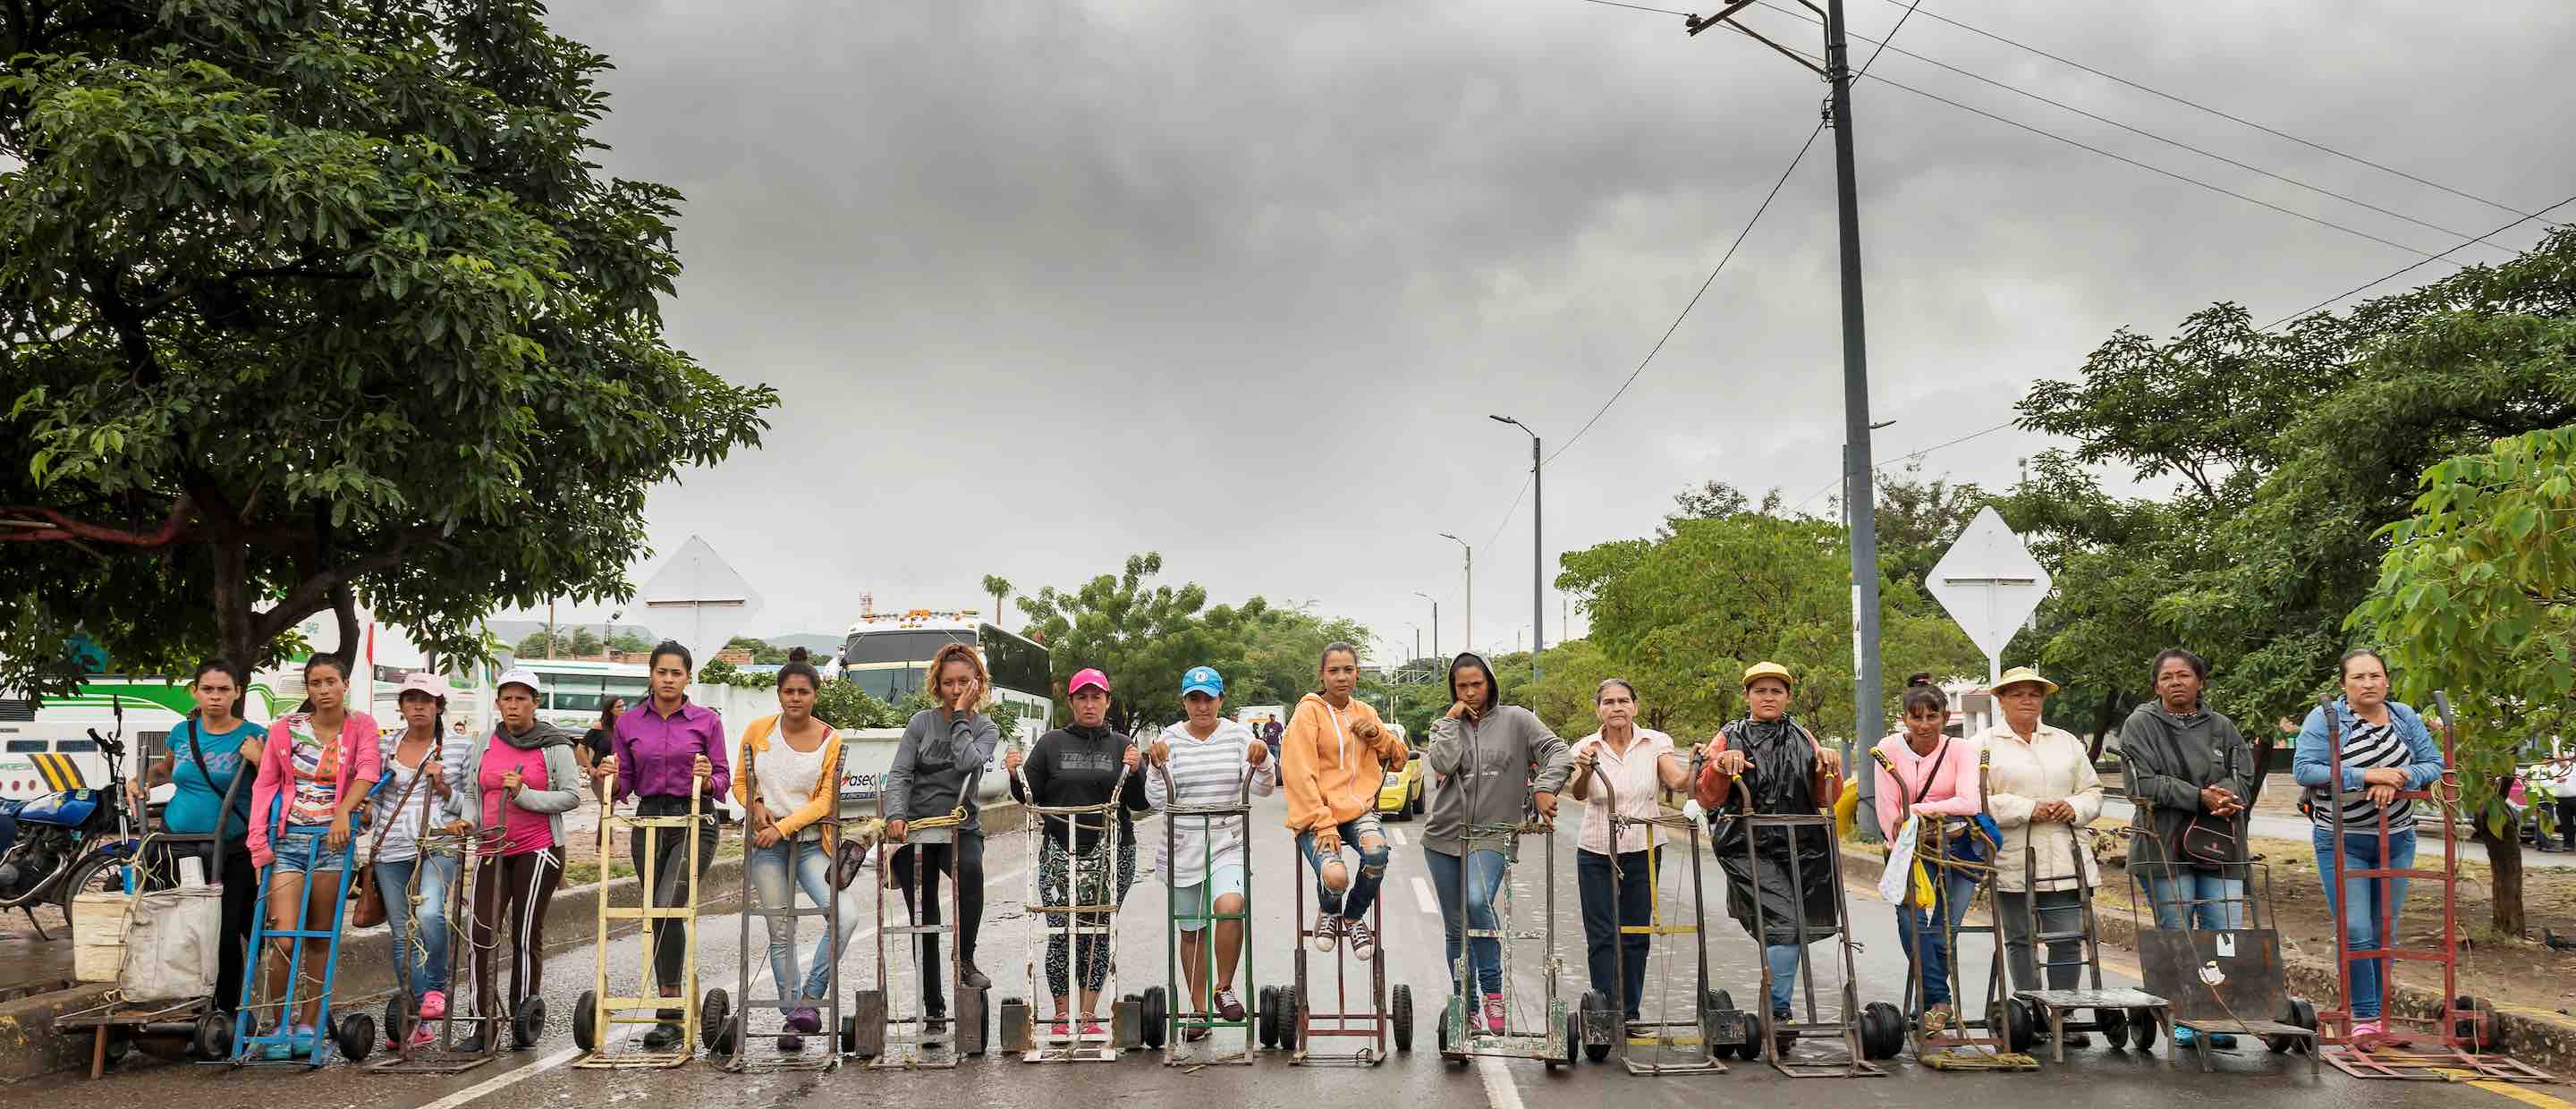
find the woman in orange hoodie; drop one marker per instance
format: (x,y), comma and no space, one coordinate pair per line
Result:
(1332,759)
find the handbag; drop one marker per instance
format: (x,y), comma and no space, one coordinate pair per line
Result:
(370,909)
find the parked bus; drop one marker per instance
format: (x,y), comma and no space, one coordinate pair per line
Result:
(888,655)
(45,745)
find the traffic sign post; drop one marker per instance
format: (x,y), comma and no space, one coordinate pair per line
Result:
(699,601)
(1990,584)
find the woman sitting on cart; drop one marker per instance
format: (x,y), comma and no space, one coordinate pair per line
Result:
(1786,773)
(2386,750)
(2189,775)
(2040,788)
(1206,761)
(1332,758)
(317,769)
(1935,778)
(1637,765)
(416,781)
(521,779)
(1072,767)
(206,753)
(791,759)
(938,766)
(657,750)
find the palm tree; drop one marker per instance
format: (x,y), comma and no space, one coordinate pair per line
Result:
(1000,588)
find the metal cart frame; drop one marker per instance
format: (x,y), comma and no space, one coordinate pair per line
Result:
(2118,1014)
(886,1037)
(1855,1061)
(1720,1025)
(727,1029)
(1292,1012)
(1199,1010)
(2214,977)
(1982,1038)
(443,1057)
(1019,1023)
(598,1011)
(354,1034)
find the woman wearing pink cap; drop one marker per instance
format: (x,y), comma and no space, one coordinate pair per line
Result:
(416,765)
(1073,766)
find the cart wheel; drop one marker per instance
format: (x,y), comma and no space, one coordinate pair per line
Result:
(355,1036)
(1154,1016)
(974,1020)
(120,1042)
(398,1018)
(1288,1019)
(1401,1012)
(2298,1014)
(585,1022)
(715,1015)
(2142,1029)
(868,1008)
(849,1035)
(1882,1030)
(2473,1022)
(1594,1002)
(213,1039)
(1266,1016)
(2011,1021)
(1573,1039)
(528,1025)
(1751,1048)
(2115,1027)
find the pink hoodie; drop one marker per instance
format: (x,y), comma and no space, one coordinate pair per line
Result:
(1954,789)
(361,760)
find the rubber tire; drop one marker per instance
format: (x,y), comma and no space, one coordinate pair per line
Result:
(1882,1030)
(398,1017)
(1751,1049)
(1288,1019)
(528,1024)
(2115,1028)
(2479,1026)
(1265,1016)
(1154,1015)
(1448,1014)
(715,1021)
(355,1035)
(1400,1012)
(2014,1023)
(1593,1002)
(2298,1013)
(2143,1030)
(849,1035)
(213,1040)
(120,1043)
(585,1022)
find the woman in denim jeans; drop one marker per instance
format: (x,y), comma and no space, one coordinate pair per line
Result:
(789,788)
(1494,763)
(1927,774)
(2189,773)
(416,774)
(2386,751)
(1331,761)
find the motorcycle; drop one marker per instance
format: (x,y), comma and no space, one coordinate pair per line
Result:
(56,847)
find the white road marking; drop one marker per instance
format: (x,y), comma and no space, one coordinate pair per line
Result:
(1396,834)
(1499,1091)
(1423,895)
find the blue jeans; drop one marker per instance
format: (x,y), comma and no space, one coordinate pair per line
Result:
(1632,896)
(2215,901)
(2361,903)
(437,874)
(1783,958)
(1484,874)
(1353,904)
(813,867)
(1927,936)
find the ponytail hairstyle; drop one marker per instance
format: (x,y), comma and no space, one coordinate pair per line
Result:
(671,647)
(319,660)
(1924,694)
(1336,647)
(798,667)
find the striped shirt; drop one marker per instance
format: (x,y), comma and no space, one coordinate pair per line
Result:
(2367,746)
(1205,773)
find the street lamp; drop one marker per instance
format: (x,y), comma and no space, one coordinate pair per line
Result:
(1435,623)
(1468,634)
(1538,550)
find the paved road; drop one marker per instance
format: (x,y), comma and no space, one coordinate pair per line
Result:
(2099,1079)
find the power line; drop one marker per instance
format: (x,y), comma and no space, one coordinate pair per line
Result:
(2403,270)
(2196,106)
(1882,467)
(1637,7)
(1507,512)
(2172,142)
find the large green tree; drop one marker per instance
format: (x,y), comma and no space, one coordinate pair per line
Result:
(309,300)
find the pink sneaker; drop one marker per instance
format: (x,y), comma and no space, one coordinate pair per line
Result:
(1091,1030)
(2368,1030)
(433,1005)
(1494,1015)
(421,1037)
(1060,1031)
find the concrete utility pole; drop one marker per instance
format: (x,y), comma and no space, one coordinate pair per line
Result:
(1469,634)
(1868,717)
(1435,622)
(1538,547)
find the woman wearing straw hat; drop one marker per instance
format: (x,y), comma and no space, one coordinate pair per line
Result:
(1786,772)
(2040,788)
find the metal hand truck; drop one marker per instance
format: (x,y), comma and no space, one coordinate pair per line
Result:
(728,1036)
(1167,1031)
(2119,1014)
(1090,910)
(1720,1027)
(2455,1039)
(443,1057)
(1883,1022)
(353,1034)
(2218,978)
(1982,1041)
(888,1035)
(598,1011)
(1289,1019)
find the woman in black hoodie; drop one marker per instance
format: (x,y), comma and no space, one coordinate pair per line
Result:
(1070,767)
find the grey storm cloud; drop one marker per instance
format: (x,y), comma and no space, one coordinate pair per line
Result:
(1046,284)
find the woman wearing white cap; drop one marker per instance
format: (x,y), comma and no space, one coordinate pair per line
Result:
(415,775)
(2040,787)
(1205,761)
(521,780)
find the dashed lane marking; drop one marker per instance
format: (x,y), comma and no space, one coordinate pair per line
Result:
(1423,896)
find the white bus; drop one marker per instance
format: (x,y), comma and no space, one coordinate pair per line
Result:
(888,655)
(45,745)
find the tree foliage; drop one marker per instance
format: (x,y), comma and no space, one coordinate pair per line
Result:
(317,300)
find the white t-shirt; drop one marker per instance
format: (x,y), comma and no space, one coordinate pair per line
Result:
(397,815)
(787,778)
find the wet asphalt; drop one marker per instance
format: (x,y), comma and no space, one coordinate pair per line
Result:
(542,1076)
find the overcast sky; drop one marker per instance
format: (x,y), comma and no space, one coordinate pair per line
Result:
(1240,283)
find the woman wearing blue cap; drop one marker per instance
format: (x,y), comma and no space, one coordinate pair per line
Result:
(1203,762)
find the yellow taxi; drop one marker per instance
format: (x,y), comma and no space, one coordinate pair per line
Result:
(1400,792)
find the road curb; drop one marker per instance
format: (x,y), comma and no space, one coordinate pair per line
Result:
(2539,1037)
(30,1048)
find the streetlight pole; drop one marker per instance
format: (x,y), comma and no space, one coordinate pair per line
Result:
(1435,623)
(1868,719)
(1469,633)
(1538,547)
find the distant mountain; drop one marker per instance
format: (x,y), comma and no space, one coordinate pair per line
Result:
(815,643)
(511,632)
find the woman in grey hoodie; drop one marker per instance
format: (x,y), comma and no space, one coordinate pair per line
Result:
(2190,775)
(517,783)
(1492,763)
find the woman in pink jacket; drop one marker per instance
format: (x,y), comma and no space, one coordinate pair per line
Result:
(319,765)
(1934,776)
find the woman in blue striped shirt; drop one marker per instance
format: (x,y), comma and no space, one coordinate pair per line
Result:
(1203,762)
(2386,750)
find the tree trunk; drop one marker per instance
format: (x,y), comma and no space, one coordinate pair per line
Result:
(2504,858)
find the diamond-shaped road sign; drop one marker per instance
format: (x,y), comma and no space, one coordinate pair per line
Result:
(698,601)
(1990,584)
